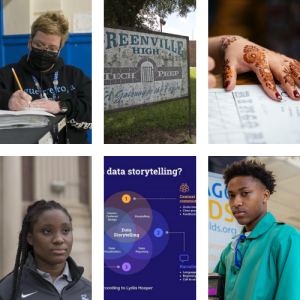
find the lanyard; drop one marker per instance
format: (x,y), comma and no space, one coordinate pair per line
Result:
(43,94)
(237,250)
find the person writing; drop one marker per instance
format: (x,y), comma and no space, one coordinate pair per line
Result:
(238,55)
(43,267)
(47,82)
(263,261)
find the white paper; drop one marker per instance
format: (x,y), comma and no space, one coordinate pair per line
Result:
(82,22)
(247,115)
(34,108)
(25,113)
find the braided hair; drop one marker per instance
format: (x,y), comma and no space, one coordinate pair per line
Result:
(33,213)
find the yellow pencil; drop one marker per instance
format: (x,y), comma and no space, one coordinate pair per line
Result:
(18,82)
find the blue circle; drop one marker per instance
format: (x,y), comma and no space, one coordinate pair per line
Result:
(159,222)
(158,232)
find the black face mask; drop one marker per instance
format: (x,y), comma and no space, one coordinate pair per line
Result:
(41,61)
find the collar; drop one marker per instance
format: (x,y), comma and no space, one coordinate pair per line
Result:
(66,272)
(261,227)
(75,272)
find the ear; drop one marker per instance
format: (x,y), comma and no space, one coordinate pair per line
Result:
(29,238)
(266,195)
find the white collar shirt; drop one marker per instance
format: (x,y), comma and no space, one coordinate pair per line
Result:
(61,281)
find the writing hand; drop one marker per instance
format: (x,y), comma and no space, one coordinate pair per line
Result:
(49,105)
(19,100)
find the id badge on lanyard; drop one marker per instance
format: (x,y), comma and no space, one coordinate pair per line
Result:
(43,94)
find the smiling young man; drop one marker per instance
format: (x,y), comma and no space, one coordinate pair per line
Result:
(47,82)
(263,262)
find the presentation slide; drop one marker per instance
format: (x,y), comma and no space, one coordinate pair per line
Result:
(150,227)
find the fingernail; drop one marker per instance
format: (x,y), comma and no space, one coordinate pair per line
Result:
(278,96)
(227,84)
(296,94)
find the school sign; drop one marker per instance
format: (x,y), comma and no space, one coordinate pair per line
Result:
(143,68)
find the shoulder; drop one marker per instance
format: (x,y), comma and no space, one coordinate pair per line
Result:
(75,71)
(7,69)
(284,234)
(6,286)
(86,282)
(283,229)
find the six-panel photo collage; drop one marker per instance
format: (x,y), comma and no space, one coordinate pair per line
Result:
(117,218)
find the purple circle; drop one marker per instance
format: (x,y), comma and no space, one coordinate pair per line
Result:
(116,201)
(142,217)
(123,233)
(113,249)
(126,267)
(142,248)
(136,265)
(112,216)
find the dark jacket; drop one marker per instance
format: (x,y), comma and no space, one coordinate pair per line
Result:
(79,289)
(73,87)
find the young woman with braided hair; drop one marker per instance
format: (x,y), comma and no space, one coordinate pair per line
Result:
(43,267)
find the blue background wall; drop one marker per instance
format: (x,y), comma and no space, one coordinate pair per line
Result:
(76,52)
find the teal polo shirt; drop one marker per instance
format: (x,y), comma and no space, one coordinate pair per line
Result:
(271,263)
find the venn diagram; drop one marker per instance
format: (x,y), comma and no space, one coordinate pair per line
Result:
(134,233)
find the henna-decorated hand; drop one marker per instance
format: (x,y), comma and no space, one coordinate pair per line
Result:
(211,78)
(243,56)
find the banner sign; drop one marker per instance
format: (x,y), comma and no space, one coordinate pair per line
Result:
(222,225)
(143,68)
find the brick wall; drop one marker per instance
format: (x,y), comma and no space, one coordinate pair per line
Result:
(192,46)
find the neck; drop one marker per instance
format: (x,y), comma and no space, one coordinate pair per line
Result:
(53,270)
(250,226)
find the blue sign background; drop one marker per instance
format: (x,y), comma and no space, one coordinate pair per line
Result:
(162,272)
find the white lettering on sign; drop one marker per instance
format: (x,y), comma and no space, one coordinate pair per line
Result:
(167,73)
(109,76)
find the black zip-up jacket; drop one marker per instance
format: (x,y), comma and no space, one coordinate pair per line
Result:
(40,289)
(73,87)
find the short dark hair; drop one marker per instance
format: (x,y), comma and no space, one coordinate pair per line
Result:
(252,168)
(33,213)
(51,22)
